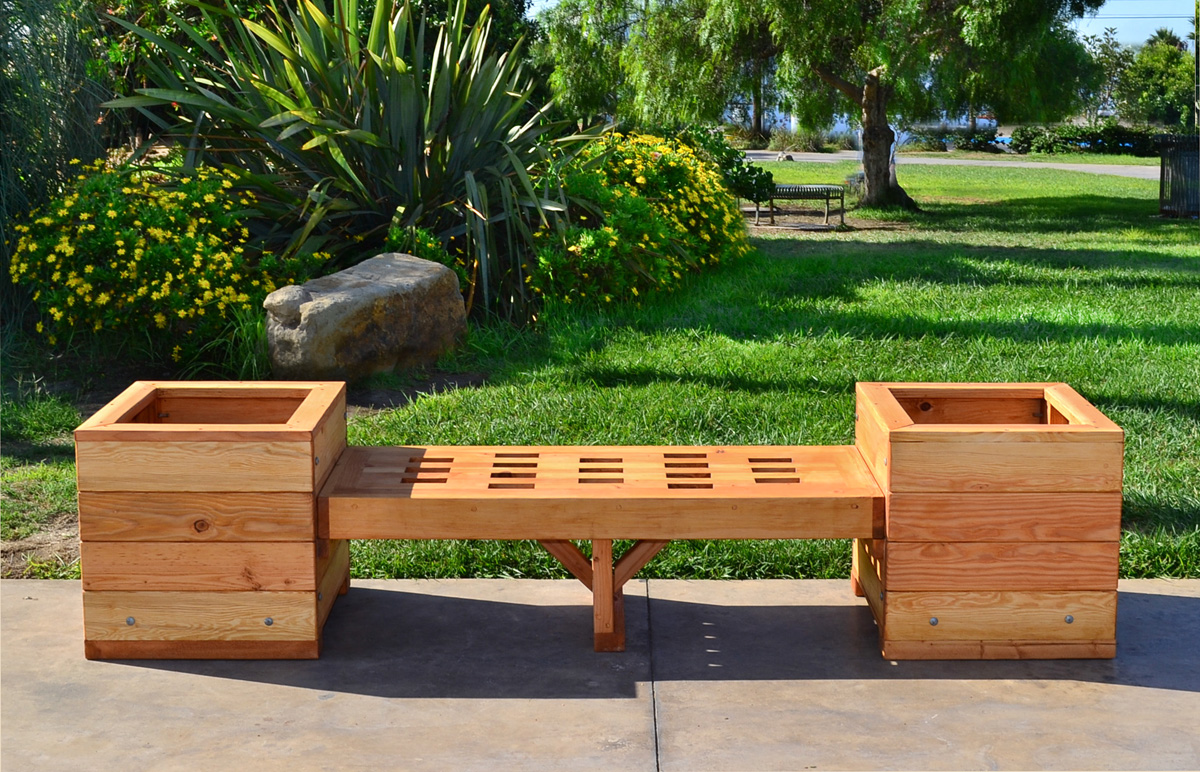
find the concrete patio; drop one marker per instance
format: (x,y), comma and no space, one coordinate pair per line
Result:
(500,674)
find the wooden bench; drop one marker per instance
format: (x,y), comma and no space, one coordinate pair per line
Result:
(824,193)
(215,518)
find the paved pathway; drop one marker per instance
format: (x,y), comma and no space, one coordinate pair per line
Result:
(500,674)
(1120,170)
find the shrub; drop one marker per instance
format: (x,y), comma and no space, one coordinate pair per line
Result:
(134,254)
(658,210)
(361,131)
(941,139)
(1107,137)
(804,140)
(742,178)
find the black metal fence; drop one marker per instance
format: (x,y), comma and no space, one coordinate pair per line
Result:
(1179,189)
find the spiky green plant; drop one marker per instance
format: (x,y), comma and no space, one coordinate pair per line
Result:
(356,135)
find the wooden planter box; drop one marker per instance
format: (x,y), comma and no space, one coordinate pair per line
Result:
(1003,520)
(197,516)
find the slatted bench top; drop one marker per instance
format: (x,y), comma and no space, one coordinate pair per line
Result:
(801,191)
(590,492)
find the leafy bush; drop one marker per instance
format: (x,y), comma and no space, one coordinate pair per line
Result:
(359,130)
(804,140)
(941,139)
(742,178)
(662,211)
(1108,137)
(135,255)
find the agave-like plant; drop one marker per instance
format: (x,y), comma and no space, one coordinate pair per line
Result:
(360,134)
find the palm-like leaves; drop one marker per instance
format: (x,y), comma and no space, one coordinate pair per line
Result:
(361,134)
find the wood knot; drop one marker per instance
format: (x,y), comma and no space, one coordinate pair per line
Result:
(201,526)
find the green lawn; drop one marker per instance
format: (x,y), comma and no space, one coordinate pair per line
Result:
(1008,275)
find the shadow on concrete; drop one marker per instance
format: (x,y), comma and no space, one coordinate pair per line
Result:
(408,645)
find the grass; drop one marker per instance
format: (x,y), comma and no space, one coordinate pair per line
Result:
(1008,275)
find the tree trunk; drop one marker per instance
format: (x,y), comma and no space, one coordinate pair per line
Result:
(880,187)
(757,123)
(972,122)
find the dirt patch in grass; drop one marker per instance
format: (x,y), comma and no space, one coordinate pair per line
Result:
(369,400)
(55,545)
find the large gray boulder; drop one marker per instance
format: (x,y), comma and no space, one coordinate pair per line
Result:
(391,311)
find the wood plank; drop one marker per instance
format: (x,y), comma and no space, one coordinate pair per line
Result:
(217,517)
(202,649)
(231,408)
(194,466)
(910,390)
(162,566)
(634,559)
(572,559)
(994,650)
(329,440)
(981,465)
(123,407)
(678,517)
(871,439)
(916,566)
(200,616)
(869,579)
(1001,615)
(604,619)
(332,578)
(1007,433)
(1004,516)
(973,410)
(1073,406)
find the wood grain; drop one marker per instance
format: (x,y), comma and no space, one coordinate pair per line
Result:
(1001,615)
(994,650)
(202,649)
(331,577)
(216,517)
(329,440)
(974,410)
(194,466)
(981,465)
(572,559)
(1002,566)
(199,616)
(1004,516)
(281,566)
(232,408)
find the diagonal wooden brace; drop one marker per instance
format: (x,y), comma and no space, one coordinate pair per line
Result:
(606,581)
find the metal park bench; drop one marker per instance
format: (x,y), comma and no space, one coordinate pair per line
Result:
(215,518)
(824,193)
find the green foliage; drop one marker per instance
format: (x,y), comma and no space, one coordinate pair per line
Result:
(148,256)
(1158,87)
(359,131)
(742,178)
(663,212)
(1110,60)
(803,140)
(49,106)
(940,139)
(1108,137)
(36,417)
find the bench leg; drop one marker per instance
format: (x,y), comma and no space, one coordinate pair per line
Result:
(608,607)
(827,210)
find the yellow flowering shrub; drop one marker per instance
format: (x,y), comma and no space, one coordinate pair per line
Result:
(133,253)
(658,211)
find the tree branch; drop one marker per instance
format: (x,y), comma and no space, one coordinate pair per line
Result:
(853,92)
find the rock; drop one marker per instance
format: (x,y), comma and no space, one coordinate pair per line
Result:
(391,311)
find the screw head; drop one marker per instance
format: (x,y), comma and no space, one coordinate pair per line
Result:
(933,621)
(1069,619)
(130,621)
(268,621)
(316,461)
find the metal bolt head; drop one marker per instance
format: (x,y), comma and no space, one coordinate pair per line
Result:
(130,621)
(933,621)
(317,461)
(1069,619)
(320,596)
(268,621)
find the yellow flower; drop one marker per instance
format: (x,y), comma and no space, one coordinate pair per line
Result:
(38,327)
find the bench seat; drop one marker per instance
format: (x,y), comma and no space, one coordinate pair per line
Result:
(590,492)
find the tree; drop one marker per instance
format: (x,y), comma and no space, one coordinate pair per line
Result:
(1157,87)
(884,56)
(1111,59)
(1166,37)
